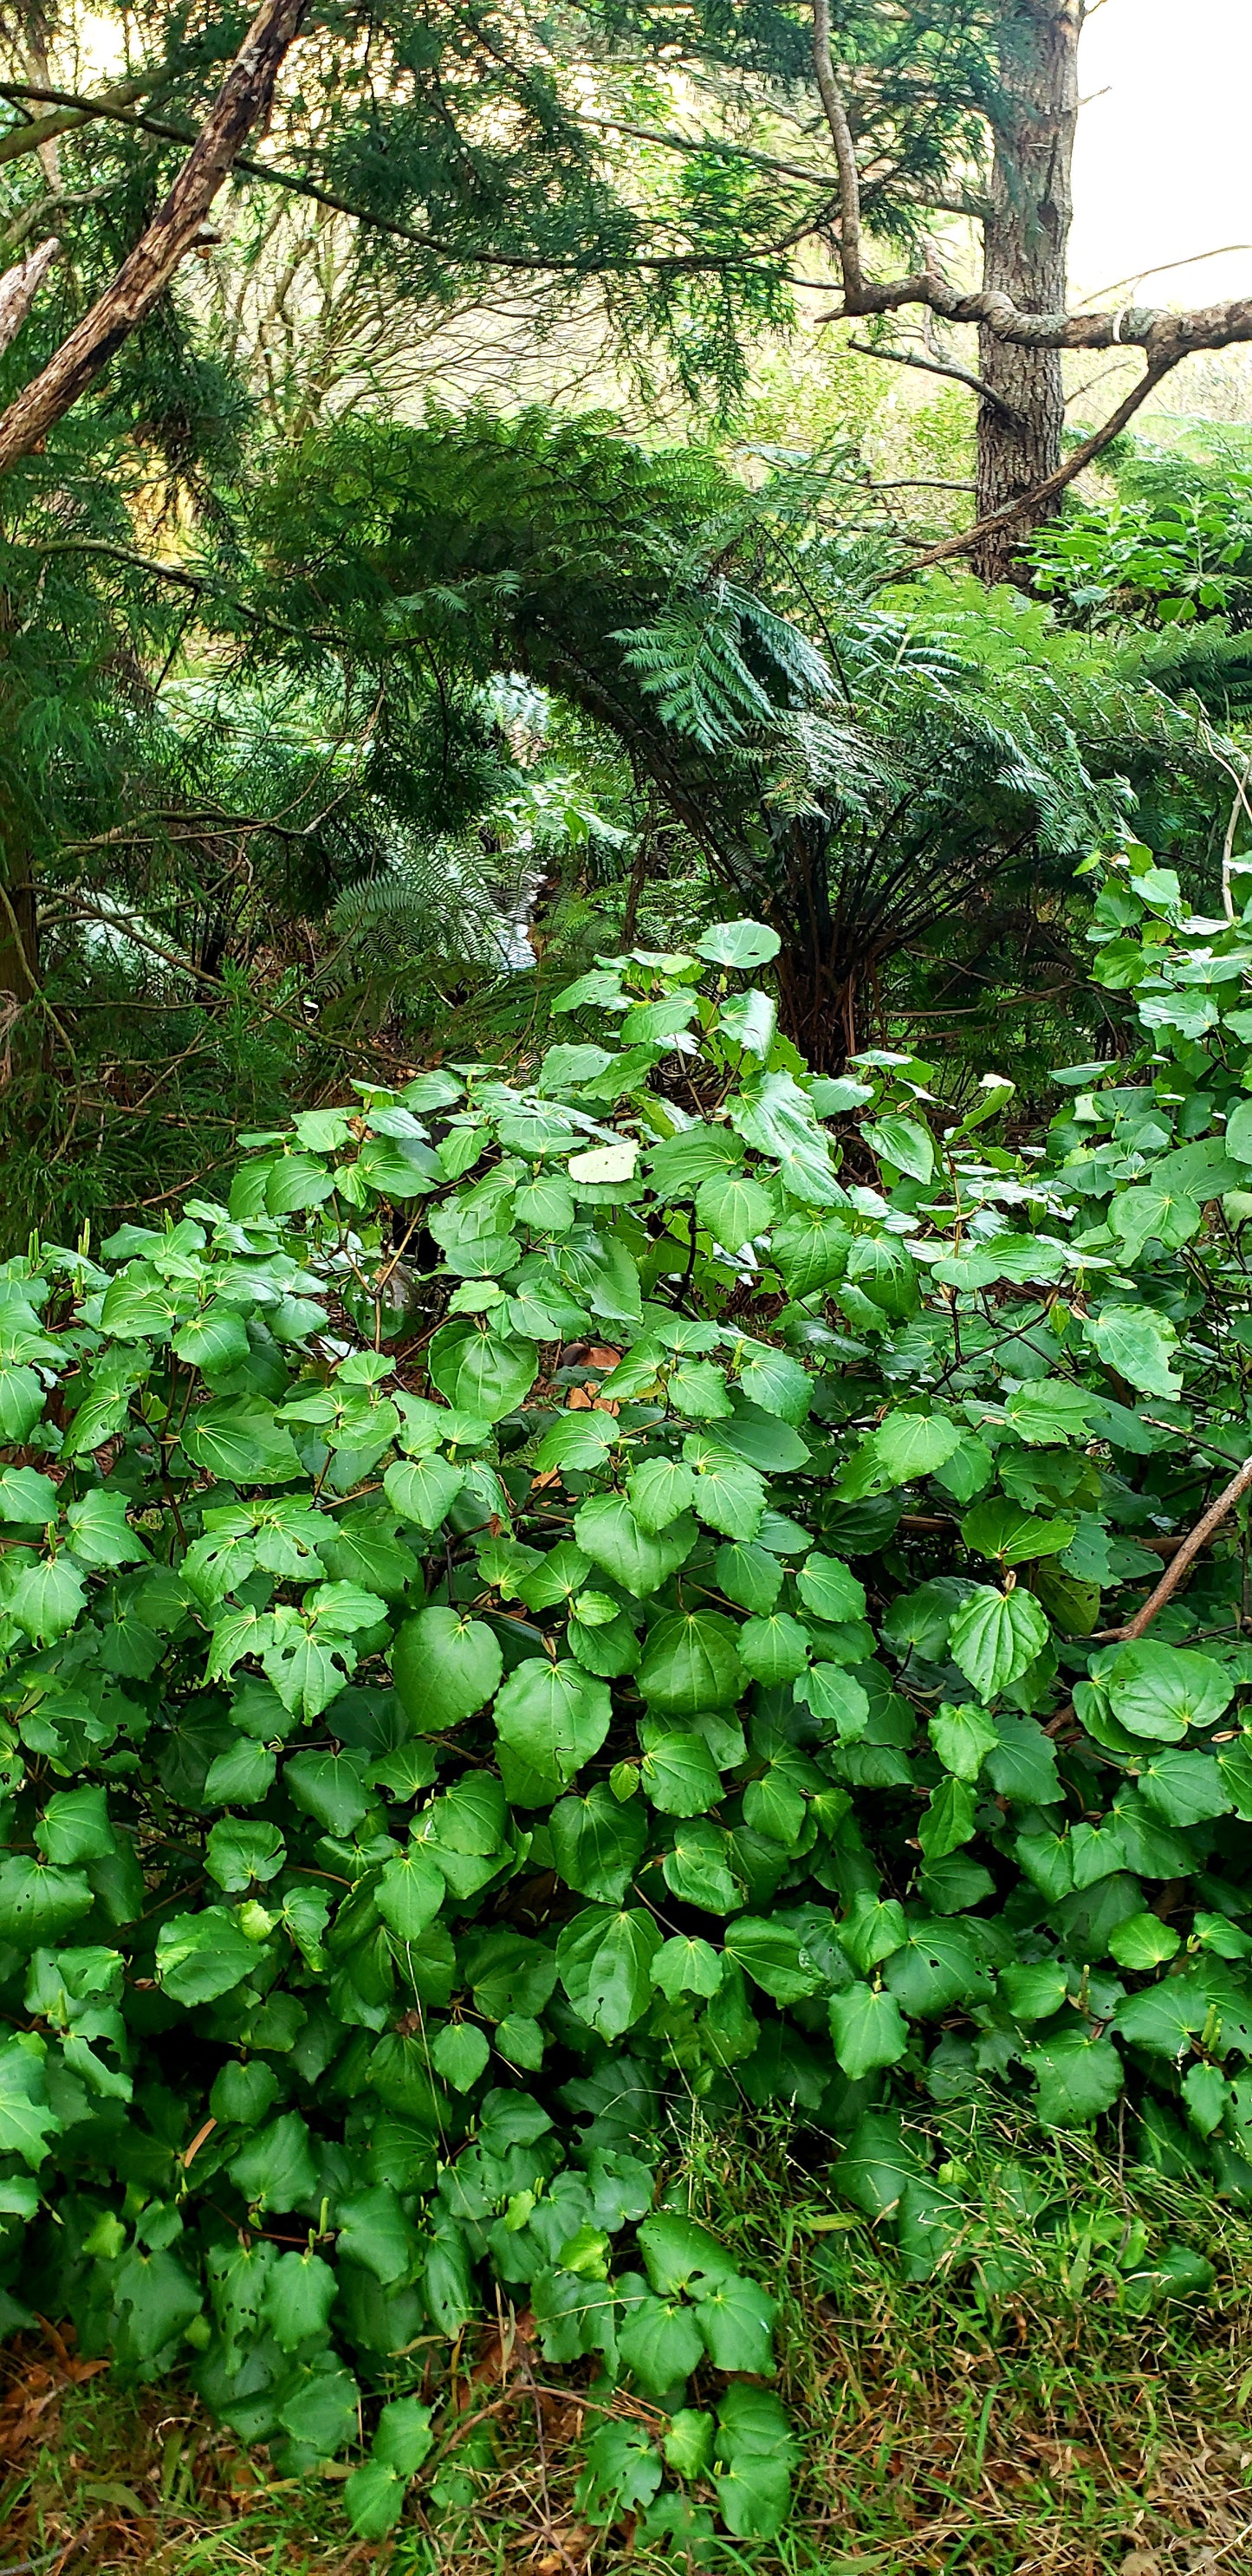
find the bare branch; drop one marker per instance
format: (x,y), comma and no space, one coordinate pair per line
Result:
(1152,328)
(845,155)
(1189,1550)
(20,285)
(937,367)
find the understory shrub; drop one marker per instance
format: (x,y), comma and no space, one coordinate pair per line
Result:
(568,1597)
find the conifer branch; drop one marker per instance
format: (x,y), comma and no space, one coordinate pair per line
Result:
(466,254)
(65,116)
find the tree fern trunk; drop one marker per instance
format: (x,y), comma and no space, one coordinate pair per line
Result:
(823,964)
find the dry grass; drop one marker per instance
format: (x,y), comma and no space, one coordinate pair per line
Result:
(1036,2431)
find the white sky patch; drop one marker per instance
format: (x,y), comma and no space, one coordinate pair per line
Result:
(1163,168)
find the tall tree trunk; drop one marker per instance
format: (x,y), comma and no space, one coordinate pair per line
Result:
(1025,245)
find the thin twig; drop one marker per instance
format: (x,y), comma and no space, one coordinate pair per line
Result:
(940,367)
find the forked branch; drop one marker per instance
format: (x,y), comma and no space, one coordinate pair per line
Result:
(1032,503)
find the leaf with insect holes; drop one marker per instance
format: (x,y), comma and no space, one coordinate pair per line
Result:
(299,2295)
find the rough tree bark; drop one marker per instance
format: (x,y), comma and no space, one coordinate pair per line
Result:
(242,103)
(1025,244)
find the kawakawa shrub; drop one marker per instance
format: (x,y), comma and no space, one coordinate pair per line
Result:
(554,1602)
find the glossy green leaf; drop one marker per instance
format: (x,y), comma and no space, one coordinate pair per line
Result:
(597,1843)
(659,1490)
(1143,1942)
(1077,2075)
(734,1208)
(608,1532)
(679,1776)
(830,1589)
(691,1662)
(201,1956)
(446,1667)
(962,1738)
(905,1144)
(1139,1345)
(867,2029)
(738,943)
(995,1635)
(604,1962)
(774,1649)
(423,1490)
(27,2121)
(554,1715)
(1004,1530)
(1158,1692)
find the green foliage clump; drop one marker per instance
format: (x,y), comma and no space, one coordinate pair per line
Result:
(1167,559)
(558,1598)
